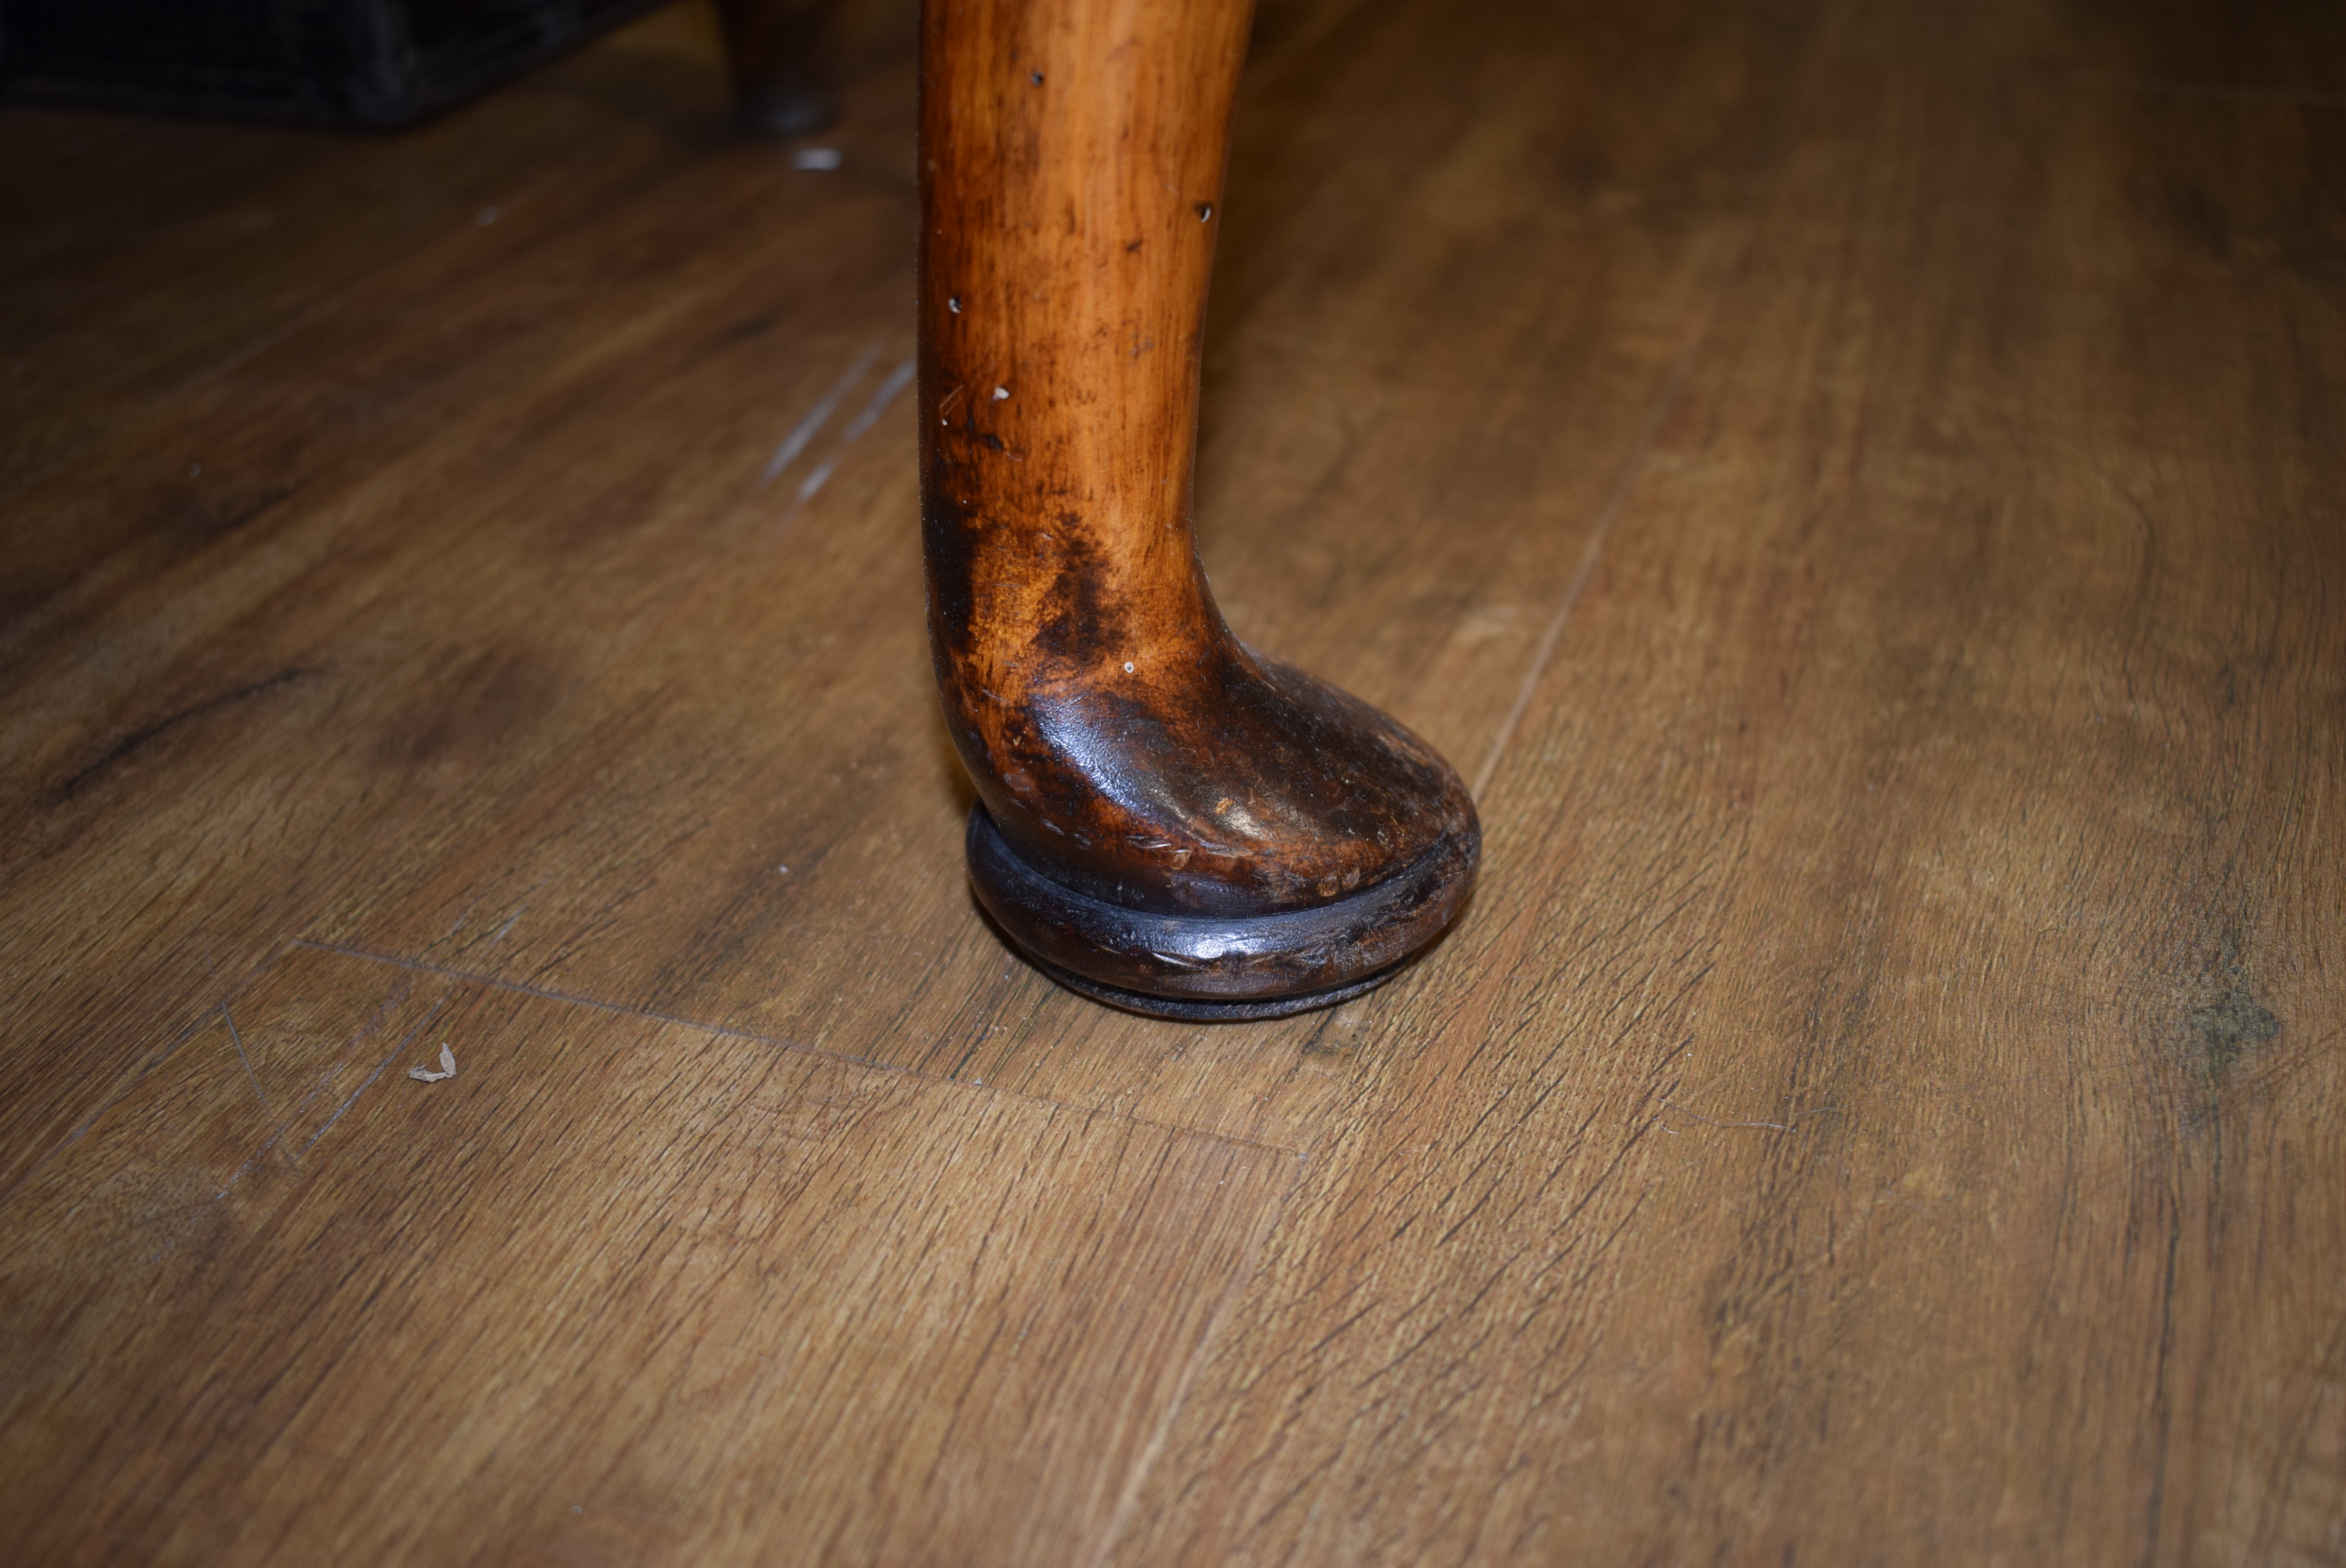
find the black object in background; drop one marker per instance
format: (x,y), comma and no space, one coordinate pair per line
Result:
(376,65)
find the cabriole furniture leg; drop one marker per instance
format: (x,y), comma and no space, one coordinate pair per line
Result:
(1167,821)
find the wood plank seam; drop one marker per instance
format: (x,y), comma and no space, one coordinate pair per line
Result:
(729,1032)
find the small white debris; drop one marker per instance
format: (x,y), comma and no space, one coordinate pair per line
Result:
(784,870)
(954,304)
(487,216)
(821,160)
(1128,667)
(447,1067)
(1001,393)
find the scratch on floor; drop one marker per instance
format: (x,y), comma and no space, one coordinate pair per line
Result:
(236,1037)
(1614,504)
(807,428)
(1128,1502)
(884,394)
(380,1068)
(887,393)
(1772,1126)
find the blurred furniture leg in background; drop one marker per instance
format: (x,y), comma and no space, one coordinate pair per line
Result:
(365,64)
(1167,821)
(785,73)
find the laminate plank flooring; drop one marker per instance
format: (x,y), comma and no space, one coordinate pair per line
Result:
(1897,1114)
(196,247)
(355,595)
(1857,489)
(749,1243)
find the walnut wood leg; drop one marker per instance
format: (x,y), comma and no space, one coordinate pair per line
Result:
(1166,820)
(780,52)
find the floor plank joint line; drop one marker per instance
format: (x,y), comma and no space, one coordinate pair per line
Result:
(875,1064)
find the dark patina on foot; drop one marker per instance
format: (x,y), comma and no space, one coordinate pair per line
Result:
(1217,968)
(1168,821)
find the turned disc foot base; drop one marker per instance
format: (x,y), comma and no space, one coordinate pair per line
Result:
(1230,967)
(1194,1011)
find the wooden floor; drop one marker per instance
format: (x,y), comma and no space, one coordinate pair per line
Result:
(1860,490)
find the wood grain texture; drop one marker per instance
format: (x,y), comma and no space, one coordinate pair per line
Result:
(612,1266)
(1856,489)
(348,601)
(1892,1116)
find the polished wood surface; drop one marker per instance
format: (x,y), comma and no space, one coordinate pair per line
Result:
(1168,818)
(1858,492)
